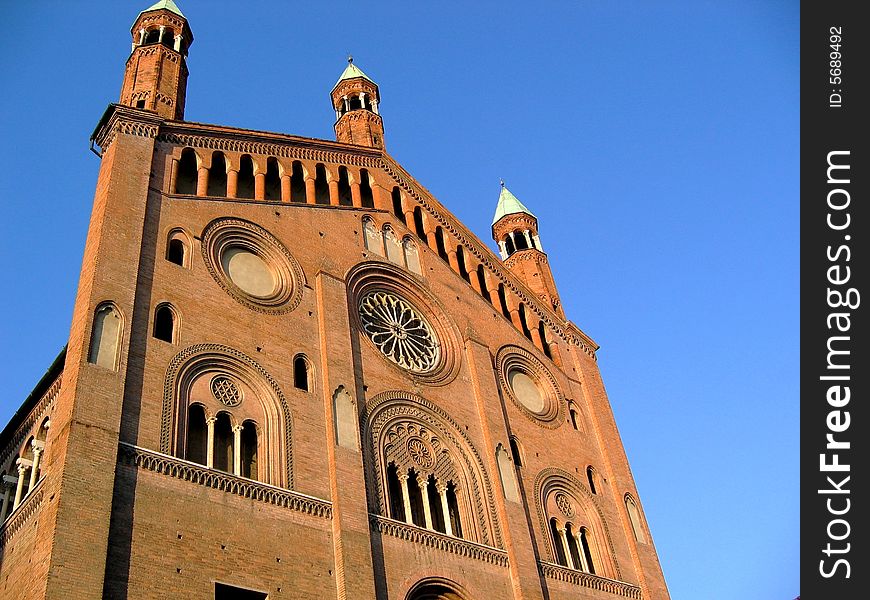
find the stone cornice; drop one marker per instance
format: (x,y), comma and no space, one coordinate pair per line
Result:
(124,119)
(440,541)
(588,580)
(25,510)
(170,466)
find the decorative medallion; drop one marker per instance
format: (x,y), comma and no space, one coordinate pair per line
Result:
(225,391)
(399,331)
(421,453)
(565,505)
(530,385)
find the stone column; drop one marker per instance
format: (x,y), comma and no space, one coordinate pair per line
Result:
(406,498)
(177,45)
(6,484)
(528,239)
(310,194)
(38,447)
(232,184)
(537,242)
(260,186)
(202,181)
(567,550)
(333,192)
(375,106)
(502,249)
(346,103)
(237,450)
(583,566)
(356,197)
(362,99)
(423,484)
(162,31)
(445,509)
(209,450)
(285,188)
(23,465)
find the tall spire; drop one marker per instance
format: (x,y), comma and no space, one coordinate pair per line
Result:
(355,98)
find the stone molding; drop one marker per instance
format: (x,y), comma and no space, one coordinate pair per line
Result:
(386,408)
(439,541)
(22,514)
(588,580)
(44,406)
(485,257)
(157,462)
(557,479)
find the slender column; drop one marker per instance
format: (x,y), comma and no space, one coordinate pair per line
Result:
(491,289)
(453,260)
(7,483)
(177,45)
(355,196)
(310,195)
(346,103)
(374,106)
(528,239)
(536,337)
(333,193)
(237,450)
(513,240)
(285,188)
(337,114)
(445,509)
(202,181)
(23,465)
(362,99)
(409,217)
(209,451)
(406,498)
(259,186)
(38,447)
(502,249)
(581,553)
(173,176)
(423,484)
(472,275)
(564,538)
(232,184)
(142,33)
(537,242)
(162,31)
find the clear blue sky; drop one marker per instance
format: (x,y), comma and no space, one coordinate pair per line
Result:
(657,142)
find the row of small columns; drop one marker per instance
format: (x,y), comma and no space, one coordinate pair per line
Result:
(380,195)
(237,446)
(423,484)
(491,282)
(569,558)
(362,99)
(176,41)
(532,241)
(10,481)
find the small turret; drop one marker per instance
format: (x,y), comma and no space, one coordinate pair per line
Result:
(515,230)
(355,98)
(156,74)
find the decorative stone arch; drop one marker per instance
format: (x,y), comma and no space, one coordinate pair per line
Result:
(203,360)
(437,588)
(635,519)
(106,336)
(578,505)
(382,418)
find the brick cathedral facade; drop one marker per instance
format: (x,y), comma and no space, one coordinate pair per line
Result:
(293,373)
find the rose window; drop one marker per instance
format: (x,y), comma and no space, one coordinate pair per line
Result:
(398,330)
(225,391)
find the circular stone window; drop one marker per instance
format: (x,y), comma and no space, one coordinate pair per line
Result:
(530,385)
(252,266)
(399,331)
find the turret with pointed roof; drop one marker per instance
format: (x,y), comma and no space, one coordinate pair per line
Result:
(515,229)
(355,98)
(156,74)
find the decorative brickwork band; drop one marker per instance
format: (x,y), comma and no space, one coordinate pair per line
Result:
(440,541)
(218,480)
(22,514)
(579,578)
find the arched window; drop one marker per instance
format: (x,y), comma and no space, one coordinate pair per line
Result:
(412,256)
(460,258)
(436,508)
(509,245)
(419,229)
(515,451)
(354,102)
(373,238)
(217,176)
(397,506)
(273,180)
(507,473)
(177,248)
(344,195)
(481,281)
(395,252)
(396,195)
(365,189)
(502,299)
(185,176)
(152,37)
(249,450)
(542,331)
(520,240)
(558,549)
(590,476)
(524,323)
(634,519)
(106,337)
(197,435)
(223,443)
(439,243)
(245,185)
(573,546)
(164,323)
(453,509)
(415,497)
(297,183)
(168,38)
(321,185)
(575,419)
(301,373)
(587,552)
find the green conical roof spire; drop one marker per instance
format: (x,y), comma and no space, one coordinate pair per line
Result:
(168,5)
(508,204)
(352,71)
